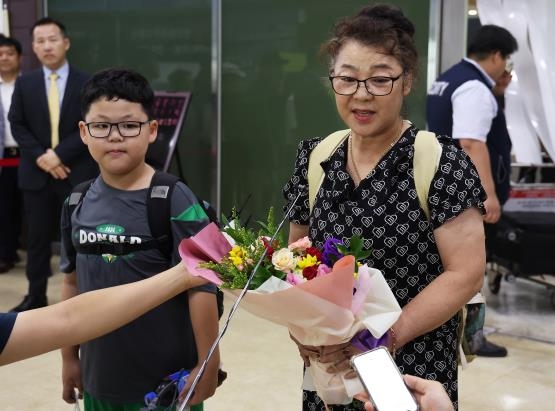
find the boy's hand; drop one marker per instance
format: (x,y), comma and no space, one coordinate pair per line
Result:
(71,380)
(205,388)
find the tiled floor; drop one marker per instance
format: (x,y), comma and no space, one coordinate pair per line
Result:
(265,371)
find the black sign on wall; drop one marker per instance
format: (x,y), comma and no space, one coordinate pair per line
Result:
(169,110)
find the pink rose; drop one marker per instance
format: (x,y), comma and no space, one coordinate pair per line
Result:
(300,245)
(294,279)
(323,270)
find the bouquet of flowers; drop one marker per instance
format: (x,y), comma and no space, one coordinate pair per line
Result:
(323,297)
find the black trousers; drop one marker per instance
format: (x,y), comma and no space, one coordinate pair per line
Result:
(42,212)
(10,211)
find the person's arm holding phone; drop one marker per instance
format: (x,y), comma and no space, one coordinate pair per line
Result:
(429,395)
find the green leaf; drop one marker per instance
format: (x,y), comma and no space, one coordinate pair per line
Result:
(343,250)
(364,254)
(356,244)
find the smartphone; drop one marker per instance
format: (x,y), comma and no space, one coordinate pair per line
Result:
(383,381)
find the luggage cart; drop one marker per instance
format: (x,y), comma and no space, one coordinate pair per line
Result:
(524,241)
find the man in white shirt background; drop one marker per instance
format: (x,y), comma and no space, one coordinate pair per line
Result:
(461,103)
(10,195)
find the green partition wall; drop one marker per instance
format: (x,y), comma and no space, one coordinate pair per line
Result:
(272,91)
(169,42)
(273,94)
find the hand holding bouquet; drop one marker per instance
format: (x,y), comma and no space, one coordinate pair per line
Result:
(324,297)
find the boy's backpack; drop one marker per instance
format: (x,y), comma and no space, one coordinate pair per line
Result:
(158,206)
(427,153)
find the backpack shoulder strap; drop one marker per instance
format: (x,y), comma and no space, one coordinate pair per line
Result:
(77,194)
(75,198)
(158,206)
(322,151)
(427,152)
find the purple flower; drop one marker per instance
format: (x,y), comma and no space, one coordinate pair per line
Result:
(330,254)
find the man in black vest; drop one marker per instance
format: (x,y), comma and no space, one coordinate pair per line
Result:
(461,103)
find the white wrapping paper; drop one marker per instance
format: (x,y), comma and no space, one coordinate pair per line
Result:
(323,311)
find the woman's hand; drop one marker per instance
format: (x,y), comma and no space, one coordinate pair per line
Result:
(338,356)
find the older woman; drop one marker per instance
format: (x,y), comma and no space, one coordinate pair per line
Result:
(433,265)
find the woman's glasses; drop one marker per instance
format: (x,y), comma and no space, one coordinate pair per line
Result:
(377,85)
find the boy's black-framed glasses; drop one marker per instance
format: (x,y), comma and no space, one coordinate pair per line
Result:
(376,85)
(102,129)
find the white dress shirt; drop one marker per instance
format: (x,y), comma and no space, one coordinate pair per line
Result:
(63,73)
(6,91)
(474,108)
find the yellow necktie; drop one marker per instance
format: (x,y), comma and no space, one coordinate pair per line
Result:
(54,109)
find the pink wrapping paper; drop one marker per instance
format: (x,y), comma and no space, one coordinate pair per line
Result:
(207,245)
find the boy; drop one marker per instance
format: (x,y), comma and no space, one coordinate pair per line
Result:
(117,370)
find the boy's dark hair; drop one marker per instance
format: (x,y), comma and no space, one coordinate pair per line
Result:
(47,20)
(115,84)
(10,42)
(490,39)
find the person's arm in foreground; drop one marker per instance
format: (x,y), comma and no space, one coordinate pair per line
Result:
(92,314)
(429,395)
(203,310)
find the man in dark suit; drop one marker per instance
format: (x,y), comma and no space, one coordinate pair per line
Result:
(44,118)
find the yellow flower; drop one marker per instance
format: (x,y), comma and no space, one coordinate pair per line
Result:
(236,255)
(307,261)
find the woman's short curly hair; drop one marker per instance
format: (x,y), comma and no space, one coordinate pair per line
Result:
(382,26)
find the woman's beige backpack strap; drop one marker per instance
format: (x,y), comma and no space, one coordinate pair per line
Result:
(322,151)
(427,152)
